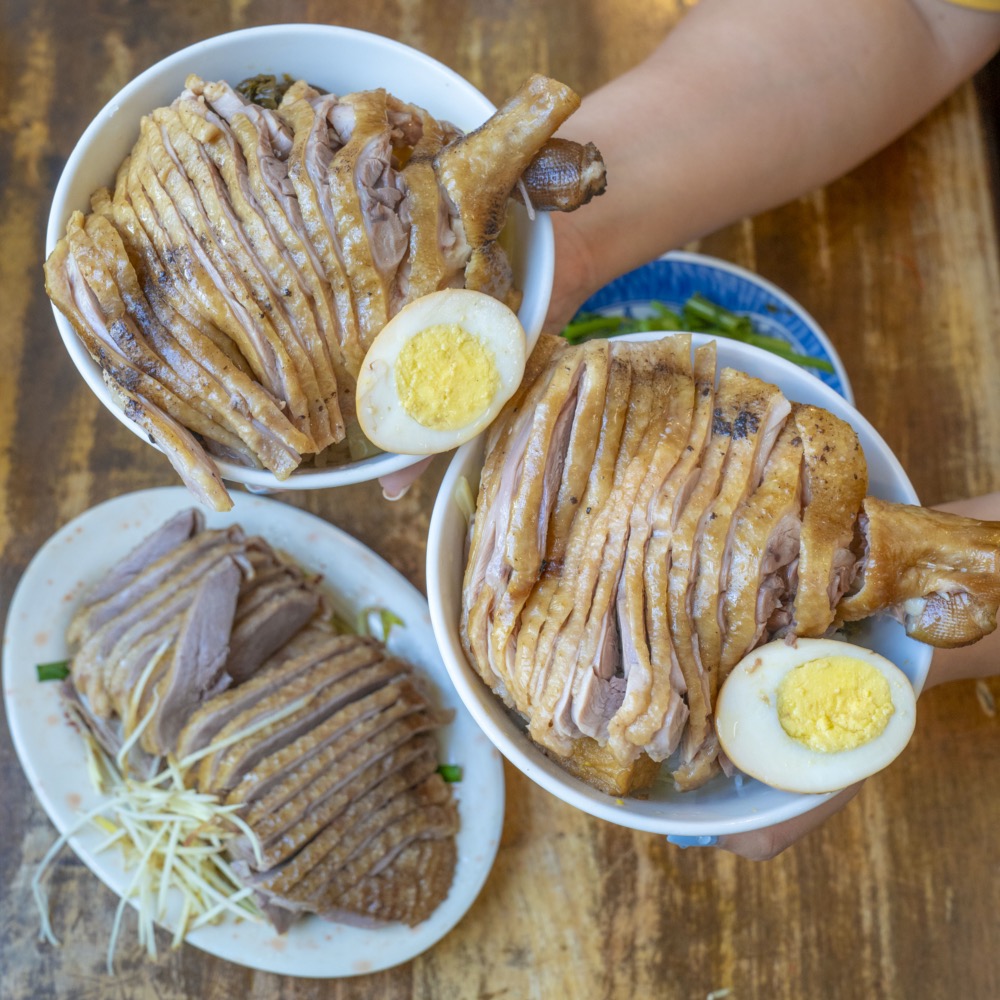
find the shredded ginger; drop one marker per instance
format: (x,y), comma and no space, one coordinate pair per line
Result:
(171,837)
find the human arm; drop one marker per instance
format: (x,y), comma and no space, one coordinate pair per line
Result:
(746,105)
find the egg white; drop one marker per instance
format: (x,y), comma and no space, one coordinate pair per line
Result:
(751,734)
(380,410)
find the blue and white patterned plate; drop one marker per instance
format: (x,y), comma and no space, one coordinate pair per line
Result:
(675,277)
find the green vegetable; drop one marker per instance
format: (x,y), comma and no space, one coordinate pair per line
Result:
(386,621)
(58,670)
(450,772)
(265,89)
(698,315)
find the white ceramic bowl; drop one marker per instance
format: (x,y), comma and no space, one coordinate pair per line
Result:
(723,805)
(340,60)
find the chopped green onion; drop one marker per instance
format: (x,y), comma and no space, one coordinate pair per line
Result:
(58,670)
(386,621)
(450,772)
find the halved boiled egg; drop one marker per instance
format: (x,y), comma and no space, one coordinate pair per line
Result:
(815,716)
(439,372)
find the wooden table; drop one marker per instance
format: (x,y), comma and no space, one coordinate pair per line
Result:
(895,897)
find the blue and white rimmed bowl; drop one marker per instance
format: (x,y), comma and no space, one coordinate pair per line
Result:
(673,278)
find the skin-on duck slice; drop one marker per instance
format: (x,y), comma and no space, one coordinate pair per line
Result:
(362,125)
(137,394)
(304,874)
(765,540)
(284,774)
(316,807)
(427,813)
(213,384)
(553,620)
(595,684)
(94,610)
(138,363)
(762,413)
(296,709)
(172,215)
(543,483)
(571,502)
(479,171)
(267,143)
(408,891)
(437,250)
(633,614)
(411,802)
(279,672)
(506,446)
(658,729)
(938,573)
(684,544)
(307,113)
(282,290)
(835,481)
(187,174)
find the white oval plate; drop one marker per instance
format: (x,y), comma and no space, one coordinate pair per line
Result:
(52,754)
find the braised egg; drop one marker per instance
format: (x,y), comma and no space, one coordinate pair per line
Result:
(439,372)
(814,716)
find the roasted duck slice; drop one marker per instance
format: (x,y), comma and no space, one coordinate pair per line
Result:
(631,608)
(765,541)
(835,481)
(677,559)
(937,573)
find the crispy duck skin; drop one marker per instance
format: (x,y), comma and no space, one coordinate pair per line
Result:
(709,520)
(247,245)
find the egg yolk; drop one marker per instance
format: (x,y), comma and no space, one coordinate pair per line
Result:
(834,703)
(445,377)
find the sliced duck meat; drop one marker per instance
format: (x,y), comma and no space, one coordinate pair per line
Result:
(765,542)
(407,891)
(835,481)
(651,452)
(761,414)
(282,671)
(281,776)
(95,608)
(316,807)
(285,715)
(411,799)
(937,573)
(196,667)
(279,609)
(308,113)
(94,663)
(667,467)
(281,287)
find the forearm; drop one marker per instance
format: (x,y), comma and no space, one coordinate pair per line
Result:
(750,103)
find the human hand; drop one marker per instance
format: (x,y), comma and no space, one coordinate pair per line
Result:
(769,842)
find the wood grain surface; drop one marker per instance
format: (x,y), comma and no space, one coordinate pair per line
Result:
(898,895)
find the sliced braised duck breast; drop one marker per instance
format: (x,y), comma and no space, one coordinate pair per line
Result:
(644,521)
